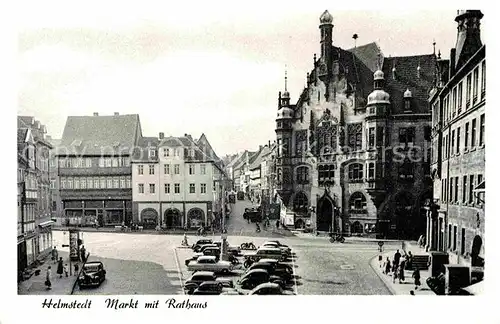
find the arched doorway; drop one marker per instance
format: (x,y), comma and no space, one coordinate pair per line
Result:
(401,225)
(149,218)
(476,260)
(325,215)
(357,228)
(196,218)
(172,218)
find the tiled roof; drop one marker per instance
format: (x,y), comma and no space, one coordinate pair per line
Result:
(406,78)
(25,121)
(141,151)
(258,158)
(368,54)
(95,135)
(21,134)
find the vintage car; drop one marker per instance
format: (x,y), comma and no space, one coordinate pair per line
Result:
(92,274)
(200,248)
(208,288)
(213,251)
(255,277)
(279,266)
(201,242)
(266,253)
(267,288)
(272,269)
(210,263)
(196,279)
(284,249)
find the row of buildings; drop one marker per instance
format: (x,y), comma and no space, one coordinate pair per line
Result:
(388,146)
(104,172)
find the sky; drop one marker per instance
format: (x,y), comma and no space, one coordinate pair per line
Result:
(195,68)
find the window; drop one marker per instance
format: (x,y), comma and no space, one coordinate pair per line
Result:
(140,169)
(52,184)
(63,183)
(458,140)
(456,190)
(83,183)
(107,162)
(122,182)
(88,162)
(371,137)
(152,188)
(54,205)
(481,130)
(203,169)
(407,135)
(479,180)
(96,183)
(152,152)
(371,170)
(380,136)
(192,188)
(475,85)
(203,188)
(449,236)
(466,137)
(302,175)
(109,183)
(468,91)
(141,188)
(129,182)
(471,189)
(90,183)
(70,183)
(191,169)
(176,152)
(300,203)
(454,101)
(166,152)
(451,190)
(473,134)
(151,169)
(176,168)
(177,188)
(357,201)
(356,171)
(459,98)
(464,189)
(167,188)
(452,141)
(462,242)
(483,79)
(116,183)
(126,161)
(114,162)
(354,133)
(454,237)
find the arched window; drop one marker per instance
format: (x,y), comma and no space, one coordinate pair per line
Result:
(302,175)
(300,203)
(357,201)
(356,171)
(371,170)
(280,176)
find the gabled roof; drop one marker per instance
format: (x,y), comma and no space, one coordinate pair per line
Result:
(21,134)
(101,134)
(257,160)
(141,151)
(368,54)
(406,78)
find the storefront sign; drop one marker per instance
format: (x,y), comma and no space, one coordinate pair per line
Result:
(73,244)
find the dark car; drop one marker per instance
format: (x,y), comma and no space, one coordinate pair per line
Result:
(201,242)
(256,277)
(92,274)
(196,279)
(201,248)
(208,288)
(209,250)
(273,269)
(241,195)
(267,288)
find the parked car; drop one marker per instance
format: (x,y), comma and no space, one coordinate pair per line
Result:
(279,266)
(278,243)
(196,279)
(202,242)
(285,250)
(266,253)
(226,282)
(208,251)
(93,274)
(208,288)
(200,248)
(256,277)
(271,268)
(267,288)
(210,263)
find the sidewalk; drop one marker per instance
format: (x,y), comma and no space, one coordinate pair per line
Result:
(404,288)
(36,284)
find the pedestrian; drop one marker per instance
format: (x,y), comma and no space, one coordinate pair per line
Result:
(60,267)
(66,269)
(83,253)
(394,274)
(278,224)
(55,254)
(380,261)
(397,257)
(416,276)
(412,293)
(77,268)
(387,266)
(48,276)
(409,261)
(402,272)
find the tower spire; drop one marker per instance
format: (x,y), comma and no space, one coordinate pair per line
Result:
(434,46)
(286,78)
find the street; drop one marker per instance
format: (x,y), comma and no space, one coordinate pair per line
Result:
(154,264)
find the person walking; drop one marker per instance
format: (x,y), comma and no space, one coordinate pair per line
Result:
(409,261)
(76,268)
(83,253)
(60,267)
(55,254)
(416,277)
(395,274)
(397,257)
(380,261)
(66,269)
(278,224)
(387,266)
(402,272)
(48,276)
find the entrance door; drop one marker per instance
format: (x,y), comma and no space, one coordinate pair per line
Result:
(476,260)
(325,215)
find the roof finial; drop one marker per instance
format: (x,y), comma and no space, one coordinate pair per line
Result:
(434,46)
(439,54)
(285,78)
(379,64)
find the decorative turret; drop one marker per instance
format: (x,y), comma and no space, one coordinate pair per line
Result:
(407,97)
(468,36)
(378,95)
(326,28)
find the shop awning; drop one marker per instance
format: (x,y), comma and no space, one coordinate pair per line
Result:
(47,223)
(475,289)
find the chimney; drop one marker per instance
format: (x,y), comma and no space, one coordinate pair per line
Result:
(117,114)
(96,114)
(260,147)
(161,135)
(452,63)
(269,143)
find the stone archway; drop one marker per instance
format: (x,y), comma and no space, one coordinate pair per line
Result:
(477,244)
(172,218)
(324,219)
(149,218)
(195,218)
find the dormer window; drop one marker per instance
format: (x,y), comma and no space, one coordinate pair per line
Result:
(152,152)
